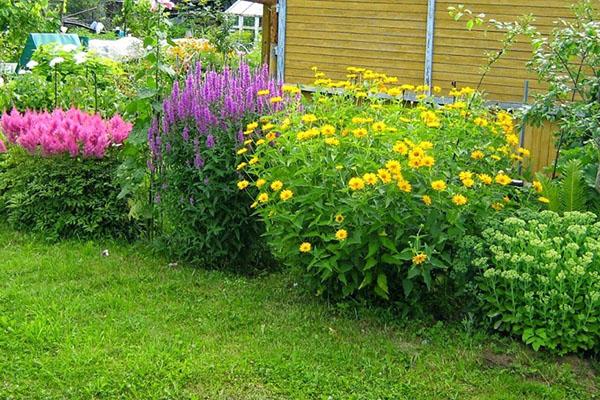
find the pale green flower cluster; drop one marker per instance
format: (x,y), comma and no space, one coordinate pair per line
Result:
(541,278)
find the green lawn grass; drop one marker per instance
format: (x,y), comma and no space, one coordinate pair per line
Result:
(76,325)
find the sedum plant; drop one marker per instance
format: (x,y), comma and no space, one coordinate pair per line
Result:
(371,198)
(541,279)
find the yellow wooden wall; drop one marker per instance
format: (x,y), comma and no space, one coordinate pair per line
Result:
(540,141)
(459,53)
(384,35)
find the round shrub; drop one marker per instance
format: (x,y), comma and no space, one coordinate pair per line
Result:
(540,279)
(373,197)
(57,174)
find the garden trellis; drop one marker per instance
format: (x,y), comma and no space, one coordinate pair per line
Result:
(419,42)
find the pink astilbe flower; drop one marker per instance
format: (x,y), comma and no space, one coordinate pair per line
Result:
(71,132)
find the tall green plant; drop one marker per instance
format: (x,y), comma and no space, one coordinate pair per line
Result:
(569,192)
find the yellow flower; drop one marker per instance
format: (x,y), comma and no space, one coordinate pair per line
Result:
(277,185)
(260,183)
(384,175)
(264,92)
(427,161)
(544,200)
(305,247)
(394,92)
(309,118)
(426,200)
(332,141)
(339,218)
(260,141)
(537,185)
(263,198)
(241,166)
(271,136)
(290,89)
(459,200)
(407,87)
(254,205)
(416,152)
(393,166)
(497,206)
(276,99)
(485,179)
(477,155)
(465,175)
(286,195)
(426,145)
(437,89)
(356,183)
(328,130)
(341,234)
(524,152)
(254,160)
(414,162)
(370,179)
(252,126)
(242,151)
(359,132)
(404,185)
(419,258)
(379,126)
(401,148)
(243,185)
(438,185)
(503,179)
(495,157)
(480,122)
(468,182)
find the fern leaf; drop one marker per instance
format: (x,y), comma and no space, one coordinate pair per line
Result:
(551,192)
(573,194)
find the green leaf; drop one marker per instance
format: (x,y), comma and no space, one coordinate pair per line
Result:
(382,282)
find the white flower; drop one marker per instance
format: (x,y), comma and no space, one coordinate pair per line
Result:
(64,29)
(69,47)
(56,60)
(1,81)
(80,58)
(32,64)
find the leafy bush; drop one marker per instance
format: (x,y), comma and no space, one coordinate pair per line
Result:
(373,198)
(64,77)
(205,218)
(58,176)
(541,279)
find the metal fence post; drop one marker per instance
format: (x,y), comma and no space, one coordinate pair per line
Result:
(281,22)
(429,44)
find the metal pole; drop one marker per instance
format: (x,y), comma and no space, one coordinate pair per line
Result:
(522,134)
(428,74)
(281,22)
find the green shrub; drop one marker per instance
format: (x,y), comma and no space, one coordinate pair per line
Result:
(61,196)
(541,279)
(369,197)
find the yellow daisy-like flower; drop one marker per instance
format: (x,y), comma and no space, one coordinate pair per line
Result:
(407,87)
(276,99)
(404,186)
(271,136)
(480,122)
(477,155)
(537,185)
(414,162)
(401,148)
(264,92)
(459,200)
(485,179)
(416,152)
(544,200)
(497,206)
(356,183)
(247,142)
(437,89)
(419,259)
(384,175)
(243,185)
(242,151)
(359,132)
(469,182)
(260,183)
(267,127)
(370,179)
(332,141)
(305,247)
(524,152)
(341,234)
(425,145)
(339,218)
(495,157)
(512,139)
(263,198)
(428,161)
(465,175)
(254,205)
(252,126)
(277,185)
(393,166)
(260,141)
(254,160)
(290,89)
(394,92)
(503,179)
(286,195)
(438,185)
(426,200)
(328,130)
(379,127)
(241,166)
(309,118)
